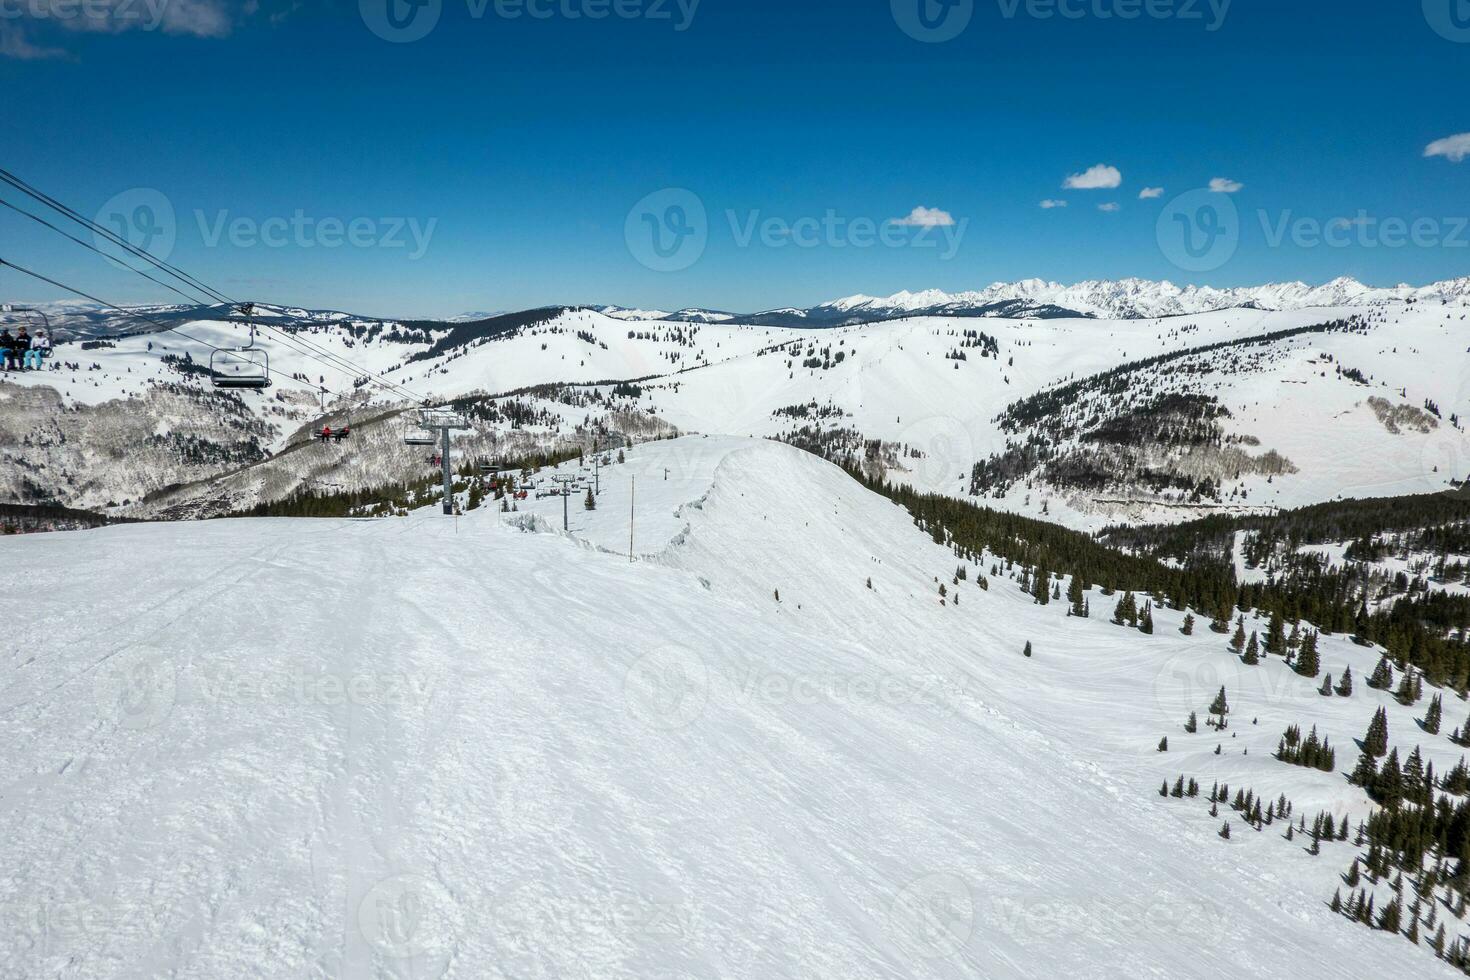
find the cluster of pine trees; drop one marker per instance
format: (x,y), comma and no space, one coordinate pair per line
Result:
(1311,752)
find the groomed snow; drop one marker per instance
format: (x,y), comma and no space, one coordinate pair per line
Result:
(434,747)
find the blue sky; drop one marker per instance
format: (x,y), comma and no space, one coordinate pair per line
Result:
(493,164)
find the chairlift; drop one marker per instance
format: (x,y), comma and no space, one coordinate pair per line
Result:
(343,431)
(413,436)
(247,367)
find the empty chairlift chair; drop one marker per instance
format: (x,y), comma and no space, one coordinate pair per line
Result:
(414,436)
(247,367)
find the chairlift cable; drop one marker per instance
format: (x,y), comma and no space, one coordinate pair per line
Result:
(340,364)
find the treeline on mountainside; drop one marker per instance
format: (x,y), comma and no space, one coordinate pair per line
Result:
(18,518)
(495,327)
(394,497)
(1109,429)
(1426,631)
(1053,401)
(1338,520)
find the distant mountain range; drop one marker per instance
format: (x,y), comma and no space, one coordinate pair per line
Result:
(1029,299)
(1037,299)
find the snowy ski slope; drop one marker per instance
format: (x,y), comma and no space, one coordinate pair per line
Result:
(482,747)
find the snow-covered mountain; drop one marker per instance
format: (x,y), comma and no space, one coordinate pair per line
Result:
(1037,299)
(1084,421)
(1140,298)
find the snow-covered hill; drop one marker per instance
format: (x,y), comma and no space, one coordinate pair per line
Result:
(431,747)
(1076,420)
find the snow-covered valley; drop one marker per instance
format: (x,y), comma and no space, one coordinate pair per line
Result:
(764,748)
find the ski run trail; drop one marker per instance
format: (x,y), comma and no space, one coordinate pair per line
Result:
(485,747)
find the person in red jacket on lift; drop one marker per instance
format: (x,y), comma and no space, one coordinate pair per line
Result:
(326,433)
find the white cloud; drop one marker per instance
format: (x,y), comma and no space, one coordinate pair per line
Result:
(1100,177)
(1049,204)
(1452,148)
(1224,185)
(1110,207)
(190,18)
(1150,192)
(13,44)
(922,217)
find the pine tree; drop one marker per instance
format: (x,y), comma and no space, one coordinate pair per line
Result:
(1382,678)
(1252,651)
(1146,625)
(1408,690)
(1041,591)
(1220,706)
(1337,900)
(1192,725)
(1225,830)
(1027,651)
(1345,686)
(1164,744)
(590,503)
(1375,743)
(1366,772)
(1188,628)
(1237,642)
(1432,716)
(1126,611)
(1306,660)
(1388,919)
(1076,596)
(1276,635)
(1326,689)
